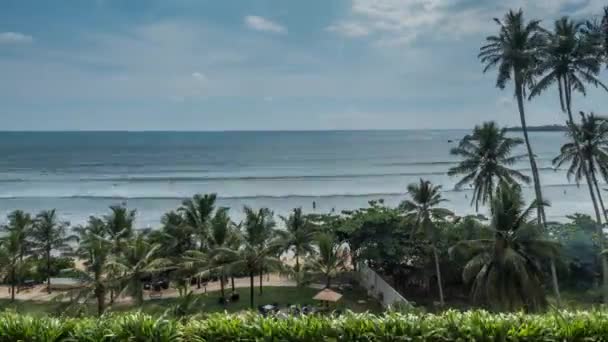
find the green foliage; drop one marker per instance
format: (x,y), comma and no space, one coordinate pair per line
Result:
(448,326)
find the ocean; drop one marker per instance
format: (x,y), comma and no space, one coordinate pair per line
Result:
(82,173)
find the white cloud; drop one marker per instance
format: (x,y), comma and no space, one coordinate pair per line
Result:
(199,76)
(262,24)
(349,29)
(15,38)
(400,22)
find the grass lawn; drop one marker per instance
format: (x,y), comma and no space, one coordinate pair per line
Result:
(209,302)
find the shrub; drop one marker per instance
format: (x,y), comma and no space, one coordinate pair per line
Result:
(448,326)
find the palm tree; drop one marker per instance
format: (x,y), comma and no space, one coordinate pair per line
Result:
(259,249)
(570,61)
(486,160)
(11,257)
(506,271)
(423,209)
(18,230)
(94,249)
(330,260)
(259,229)
(515,52)
(138,261)
(223,235)
(175,236)
(119,226)
(298,236)
(49,234)
(119,229)
(593,139)
(197,213)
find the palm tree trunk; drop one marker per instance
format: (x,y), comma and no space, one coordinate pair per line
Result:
(261,278)
(251,286)
(13,281)
(597,189)
(327,281)
(438,271)
(100,294)
(542,219)
(48,271)
(232,283)
(222,286)
(598,216)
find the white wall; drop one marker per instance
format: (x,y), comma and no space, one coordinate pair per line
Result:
(377,287)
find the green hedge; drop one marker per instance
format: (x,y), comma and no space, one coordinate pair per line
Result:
(449,326)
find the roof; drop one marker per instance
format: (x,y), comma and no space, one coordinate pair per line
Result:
(327,295)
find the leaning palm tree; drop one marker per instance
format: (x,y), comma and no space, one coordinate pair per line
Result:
(298,237)
(570,61)
(505,272)
(48,235)
(329,261)
(197,213)
(486,161)
(423,210)
(593,141)
(138,261)
(515,52)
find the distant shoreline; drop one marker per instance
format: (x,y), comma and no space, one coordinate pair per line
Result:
(542,128)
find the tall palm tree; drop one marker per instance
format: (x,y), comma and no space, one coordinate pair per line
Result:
(95,250)
(486,161)
(570,61)
(298,236)
(259,248)
(49,234)
(515,52)
(222,236)
(19,229)
(174,236)
(330,259)
(593,140)
(197,212)
(506,271)
(423,209)
(119,229)
(138,260)
(259,230)
(10,254)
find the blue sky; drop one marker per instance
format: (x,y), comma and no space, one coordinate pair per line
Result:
(260,64)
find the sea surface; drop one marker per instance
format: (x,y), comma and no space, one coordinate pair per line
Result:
(82,173)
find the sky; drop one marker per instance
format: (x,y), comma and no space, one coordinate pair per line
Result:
(262,64)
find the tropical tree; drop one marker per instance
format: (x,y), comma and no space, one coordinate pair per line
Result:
(593,141)
(49,234)
(119,229)
(223,235)
(259,230)
(175,236)
(515,53)
(197,212)
(329,261)
(570,61)
(298,236)
(139,260)
(423,209)
(10,255)
(95,250)
(486,161)
(259,249)
(505,272)
(18,231)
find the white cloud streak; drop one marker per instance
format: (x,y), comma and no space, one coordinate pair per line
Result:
(257,23)
(15,38)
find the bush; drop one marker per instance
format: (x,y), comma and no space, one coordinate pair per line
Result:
(448,326)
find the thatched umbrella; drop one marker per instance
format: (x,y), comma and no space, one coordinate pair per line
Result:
(327,296)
